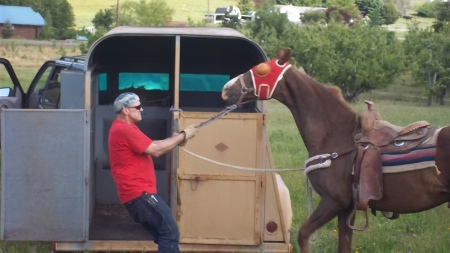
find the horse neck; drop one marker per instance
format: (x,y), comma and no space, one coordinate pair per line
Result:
(324,121)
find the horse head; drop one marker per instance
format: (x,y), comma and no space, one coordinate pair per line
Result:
(260,82)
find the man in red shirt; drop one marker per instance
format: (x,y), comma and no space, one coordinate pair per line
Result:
(132,168)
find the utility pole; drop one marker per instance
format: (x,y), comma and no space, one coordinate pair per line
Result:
(117,13)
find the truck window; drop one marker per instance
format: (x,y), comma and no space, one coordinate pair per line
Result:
(50,94)
(5,82)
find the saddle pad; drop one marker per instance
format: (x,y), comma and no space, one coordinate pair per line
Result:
(419,158)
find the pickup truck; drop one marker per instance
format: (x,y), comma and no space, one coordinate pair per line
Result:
(44,90)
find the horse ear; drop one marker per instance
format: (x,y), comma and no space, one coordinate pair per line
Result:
(262,70)
(285,57)
(280,53)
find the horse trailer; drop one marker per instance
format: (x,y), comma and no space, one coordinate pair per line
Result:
(56,179)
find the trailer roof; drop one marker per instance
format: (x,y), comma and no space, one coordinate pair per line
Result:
(164,30)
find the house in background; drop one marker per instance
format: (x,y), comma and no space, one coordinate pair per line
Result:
(27,24)
(294,12)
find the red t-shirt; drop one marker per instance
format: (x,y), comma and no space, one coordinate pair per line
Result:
(132,169)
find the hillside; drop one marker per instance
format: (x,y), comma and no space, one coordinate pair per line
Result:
(194,9)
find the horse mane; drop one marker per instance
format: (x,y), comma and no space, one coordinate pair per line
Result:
(337,92)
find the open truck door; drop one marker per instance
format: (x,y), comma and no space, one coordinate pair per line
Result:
(43,166)
(11,92)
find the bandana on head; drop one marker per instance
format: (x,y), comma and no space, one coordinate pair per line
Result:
(124,100)
(265,85)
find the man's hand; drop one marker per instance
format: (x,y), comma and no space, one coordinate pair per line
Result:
(189,132)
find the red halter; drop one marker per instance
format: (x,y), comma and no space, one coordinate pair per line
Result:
(265,85)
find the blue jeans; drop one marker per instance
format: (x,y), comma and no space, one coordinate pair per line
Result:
(155,216)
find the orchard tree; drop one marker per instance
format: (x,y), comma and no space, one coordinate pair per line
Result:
(356,59)
(143,13)
(442,16)
(268,28)
(428,54)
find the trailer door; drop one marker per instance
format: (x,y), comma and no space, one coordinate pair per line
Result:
(218,204)
(44,175)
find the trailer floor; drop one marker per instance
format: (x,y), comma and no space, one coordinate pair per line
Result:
(112,222)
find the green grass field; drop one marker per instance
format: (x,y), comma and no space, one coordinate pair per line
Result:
(195,9)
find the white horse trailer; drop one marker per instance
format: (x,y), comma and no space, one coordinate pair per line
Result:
(56,179)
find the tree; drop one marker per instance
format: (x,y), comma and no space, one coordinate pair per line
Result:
(376,17)
(366,6)
(442,16)
(48,31)
(268,27)
(314,3)
(428,57)
(346,5)
(356,59)
(403,6)
(389,13)
(245,6)
(310,17)
(153,13)
(104,19)
(8,30)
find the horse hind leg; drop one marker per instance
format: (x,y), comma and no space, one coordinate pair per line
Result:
(324,213)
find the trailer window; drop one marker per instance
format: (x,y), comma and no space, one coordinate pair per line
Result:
(102,85)
(202,82)
(146,81)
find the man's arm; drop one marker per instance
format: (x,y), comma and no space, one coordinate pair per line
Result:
(158,148)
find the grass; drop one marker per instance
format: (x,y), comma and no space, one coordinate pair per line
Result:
(195,9)
(27,58)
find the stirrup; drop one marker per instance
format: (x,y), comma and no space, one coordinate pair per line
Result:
(366,226)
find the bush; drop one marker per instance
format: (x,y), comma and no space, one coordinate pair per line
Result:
(389,13)
(428,10)
(8,30)
(313,17)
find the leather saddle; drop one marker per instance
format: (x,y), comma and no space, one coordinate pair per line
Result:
(375,138)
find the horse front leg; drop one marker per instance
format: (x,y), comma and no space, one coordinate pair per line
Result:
(324,212)
(345,232)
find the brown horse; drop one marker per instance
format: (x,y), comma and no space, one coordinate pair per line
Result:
(328,126)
